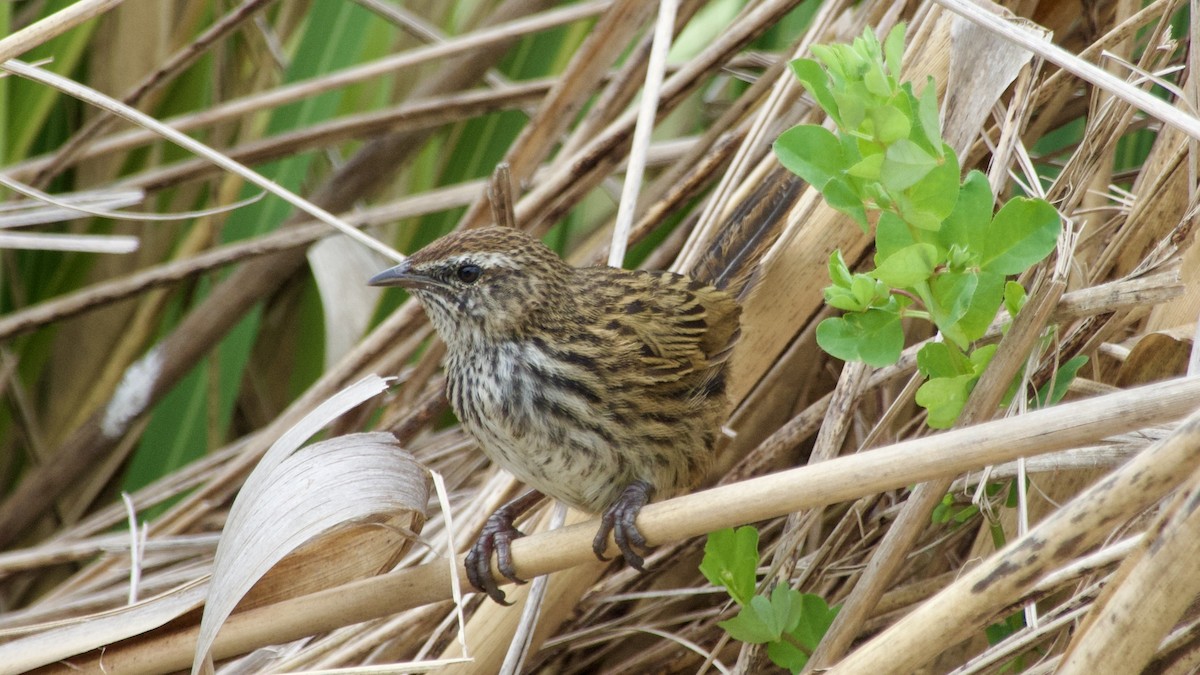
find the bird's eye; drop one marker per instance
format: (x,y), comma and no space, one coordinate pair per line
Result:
(468,273)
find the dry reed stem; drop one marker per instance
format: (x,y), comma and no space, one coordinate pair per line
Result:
(572,90)
(12,46)
(980,594)
(1136,609)
(488,37)
(757,499)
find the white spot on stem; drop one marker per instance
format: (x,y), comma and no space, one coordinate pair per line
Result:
(132,394)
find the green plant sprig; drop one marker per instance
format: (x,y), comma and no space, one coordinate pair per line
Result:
(789,622)
(942,252)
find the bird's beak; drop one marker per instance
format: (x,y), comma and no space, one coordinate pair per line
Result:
(400,275)
(403,275)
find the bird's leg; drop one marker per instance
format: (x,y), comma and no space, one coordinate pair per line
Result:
(497,536)
(620,519)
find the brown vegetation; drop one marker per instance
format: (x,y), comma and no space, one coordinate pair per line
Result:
(833,462)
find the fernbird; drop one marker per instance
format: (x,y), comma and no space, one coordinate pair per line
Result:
(600,387)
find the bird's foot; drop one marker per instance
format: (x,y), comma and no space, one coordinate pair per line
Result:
(496,537)
(620,519)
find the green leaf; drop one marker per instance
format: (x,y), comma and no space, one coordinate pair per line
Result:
(948,511)
(942,359)
(984,303)
(813,153)
(731,561)
(931,200)
(944,398)
(874,337)
(755,623)
(971,215)
(175,435)
(853,100)
(998,632)
(950,295)
(861,292)
(965,514)
(1012,500)
(786,655)
(814,79)
(868,167)
(941,512)
(919,219)
(1014,297)
(959,258)
(830,57)
(906,267)
(927,115)
(1047,395)
(893,49)
(980,358)
(843,299)
(864,51)
(787,604)
(952,377)
(891,235)
(818,617)
(891,124)
(841,196)
(868,291)
(874,194)
(804,619)
(1023,232)
(876,80)
(839,272)
(905,164)
(32,105)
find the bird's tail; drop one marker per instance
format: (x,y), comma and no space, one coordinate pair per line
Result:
(731,260)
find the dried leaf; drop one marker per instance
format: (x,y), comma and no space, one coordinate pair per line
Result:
(317,517)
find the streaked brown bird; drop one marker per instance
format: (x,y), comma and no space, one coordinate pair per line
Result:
(600,387)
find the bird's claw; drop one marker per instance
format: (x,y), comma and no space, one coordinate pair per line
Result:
(620,519)
(496,537)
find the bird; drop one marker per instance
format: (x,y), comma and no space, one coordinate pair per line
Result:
(603,388)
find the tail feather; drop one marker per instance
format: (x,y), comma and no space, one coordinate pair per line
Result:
(731,261)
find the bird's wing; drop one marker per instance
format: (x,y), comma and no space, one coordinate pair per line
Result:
(669,324)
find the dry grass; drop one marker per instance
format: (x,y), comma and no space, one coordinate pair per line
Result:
(833,463)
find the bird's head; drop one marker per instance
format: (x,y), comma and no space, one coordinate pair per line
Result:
(485,282)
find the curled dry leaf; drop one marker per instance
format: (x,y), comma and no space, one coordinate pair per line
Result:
(335,511)
(307,520)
